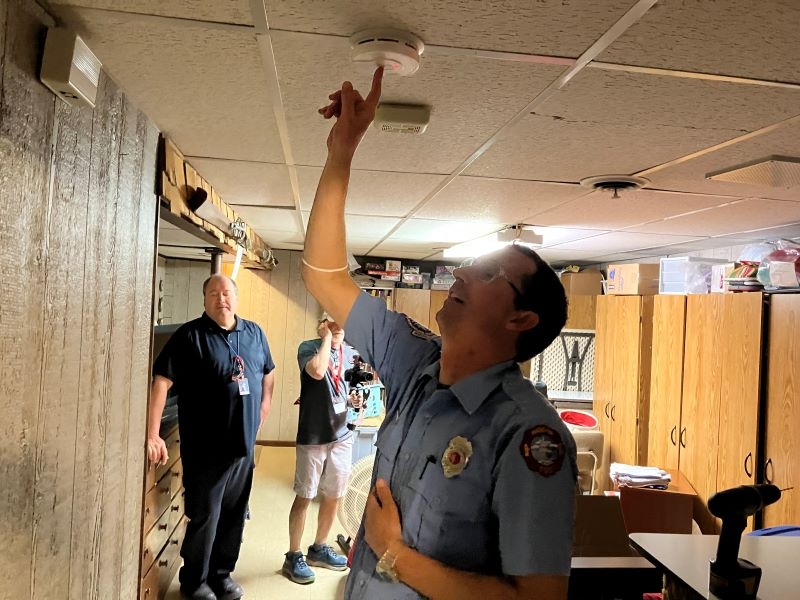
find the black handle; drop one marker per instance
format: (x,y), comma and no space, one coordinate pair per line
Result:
(749,457)
(768,466)
(613,408)
(672,435)
(605,410)
(683,437)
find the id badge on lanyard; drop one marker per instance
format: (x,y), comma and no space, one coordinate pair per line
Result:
(238,368)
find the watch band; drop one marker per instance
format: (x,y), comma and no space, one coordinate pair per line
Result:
(386,568)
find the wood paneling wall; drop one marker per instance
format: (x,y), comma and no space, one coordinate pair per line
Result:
(77,225)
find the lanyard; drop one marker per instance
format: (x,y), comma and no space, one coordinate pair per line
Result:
(238,363)
(336,376)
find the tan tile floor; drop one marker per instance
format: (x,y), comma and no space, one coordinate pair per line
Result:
(266,538)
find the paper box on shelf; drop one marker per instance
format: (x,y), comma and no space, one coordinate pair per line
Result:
(582,283)
(632,279)
(648,510)
(718,275)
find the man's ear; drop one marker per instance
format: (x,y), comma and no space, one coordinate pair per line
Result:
(522,320)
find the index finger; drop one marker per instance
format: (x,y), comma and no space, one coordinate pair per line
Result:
(375,91)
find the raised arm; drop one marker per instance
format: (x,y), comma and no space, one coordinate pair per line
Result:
(325,269)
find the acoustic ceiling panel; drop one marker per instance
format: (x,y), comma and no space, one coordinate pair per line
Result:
(250,183)
(230,11)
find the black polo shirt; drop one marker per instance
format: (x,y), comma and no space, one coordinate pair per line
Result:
(215,421)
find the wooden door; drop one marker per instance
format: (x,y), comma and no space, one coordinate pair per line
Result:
(437,300)
(626,327)
(699,436)
(414,303)
(666,381)
(603,366)
(782,465)
(740,369)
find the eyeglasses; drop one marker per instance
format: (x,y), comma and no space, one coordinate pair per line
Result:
(487,270)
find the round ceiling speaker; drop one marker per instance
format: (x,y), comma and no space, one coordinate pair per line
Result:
(396,51)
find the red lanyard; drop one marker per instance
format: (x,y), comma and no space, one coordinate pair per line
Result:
(337,377)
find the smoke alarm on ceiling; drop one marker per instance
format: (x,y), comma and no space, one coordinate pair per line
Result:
(615,183)
(396,51)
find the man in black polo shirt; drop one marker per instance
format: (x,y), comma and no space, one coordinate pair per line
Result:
(223,372)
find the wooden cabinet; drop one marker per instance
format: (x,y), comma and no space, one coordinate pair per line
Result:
(414,303)
(622,374)
(666,381)
(163,522)
(437,300)
(781,464)
(581,312)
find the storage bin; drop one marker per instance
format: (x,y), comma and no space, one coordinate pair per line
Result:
(686,274)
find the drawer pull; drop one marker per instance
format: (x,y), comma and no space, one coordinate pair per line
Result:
(176,508)
(176,473)
(162,527)
(165,490)
(176,542)
(163,563)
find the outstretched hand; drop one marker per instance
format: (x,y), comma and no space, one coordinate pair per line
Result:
(353,115)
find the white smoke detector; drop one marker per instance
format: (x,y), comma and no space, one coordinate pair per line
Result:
(402,118)
(396,51)
(69,68)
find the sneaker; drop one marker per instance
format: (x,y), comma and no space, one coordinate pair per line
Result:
(296,568)
(323,555)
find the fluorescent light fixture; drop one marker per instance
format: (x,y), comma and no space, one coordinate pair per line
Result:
(513,234)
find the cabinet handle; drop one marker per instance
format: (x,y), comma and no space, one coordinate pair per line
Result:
(748,471)
(163,563)
(174,542)
(605,410)
(768,466)
(162,527)
(683,438)
(176,508)
(176,473)
(613,408)
(672,434)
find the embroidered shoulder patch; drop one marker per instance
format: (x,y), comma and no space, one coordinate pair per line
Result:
(542,450)
(418,330)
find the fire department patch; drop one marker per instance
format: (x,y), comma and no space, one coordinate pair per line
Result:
(542,450)
(418,330)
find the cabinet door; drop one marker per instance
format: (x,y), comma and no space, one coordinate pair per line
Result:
(437,300)
(582,310)
(603,366)
(740,349)
(699,435)
(414,303)
(626,325)
(666,381)
(783,409)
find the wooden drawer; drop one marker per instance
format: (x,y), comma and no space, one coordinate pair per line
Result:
(156,538)
(168,561)
(176,509)
(149,587)
(176,478)
(156,501)
(154,473)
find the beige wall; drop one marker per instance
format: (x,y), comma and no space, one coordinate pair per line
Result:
(77,222)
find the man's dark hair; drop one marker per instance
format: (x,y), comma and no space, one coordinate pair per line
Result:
(542,293)
(208,280)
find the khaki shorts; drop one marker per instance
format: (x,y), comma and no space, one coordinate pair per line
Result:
(324,468)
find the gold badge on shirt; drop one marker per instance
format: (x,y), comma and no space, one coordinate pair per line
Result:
(456,456)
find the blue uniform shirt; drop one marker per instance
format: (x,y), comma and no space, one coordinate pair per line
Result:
(508,506)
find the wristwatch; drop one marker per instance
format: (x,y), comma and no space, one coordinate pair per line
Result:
(385,566)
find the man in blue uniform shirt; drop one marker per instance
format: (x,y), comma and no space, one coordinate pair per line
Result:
(222,370)
(475,474)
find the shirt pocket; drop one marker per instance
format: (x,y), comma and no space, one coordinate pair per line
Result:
(450,519)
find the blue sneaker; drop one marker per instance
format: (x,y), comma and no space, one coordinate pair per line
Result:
(296,568)
(323,555)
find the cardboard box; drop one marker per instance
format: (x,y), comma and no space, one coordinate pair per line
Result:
(600,527)
(582,283)
(647,510)
(633,279)
(718,275)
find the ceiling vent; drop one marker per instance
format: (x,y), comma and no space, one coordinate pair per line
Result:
(402,118)
(614,183)
(772,171)
(396,51)
(69,68)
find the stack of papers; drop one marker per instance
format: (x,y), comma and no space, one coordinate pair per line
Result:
(635,476)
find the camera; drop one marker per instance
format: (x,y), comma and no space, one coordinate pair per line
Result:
(357,376)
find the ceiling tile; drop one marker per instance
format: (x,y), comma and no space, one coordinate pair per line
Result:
(553,236)
(271,219)
(446,83)
(502,201)
(606,122)
(542,27)
(440,233)
(741,215)
(373,192)
(251,183)
(599,209)
(736,37)
(691,174)
(205,89)
(230,11)
(622,241)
